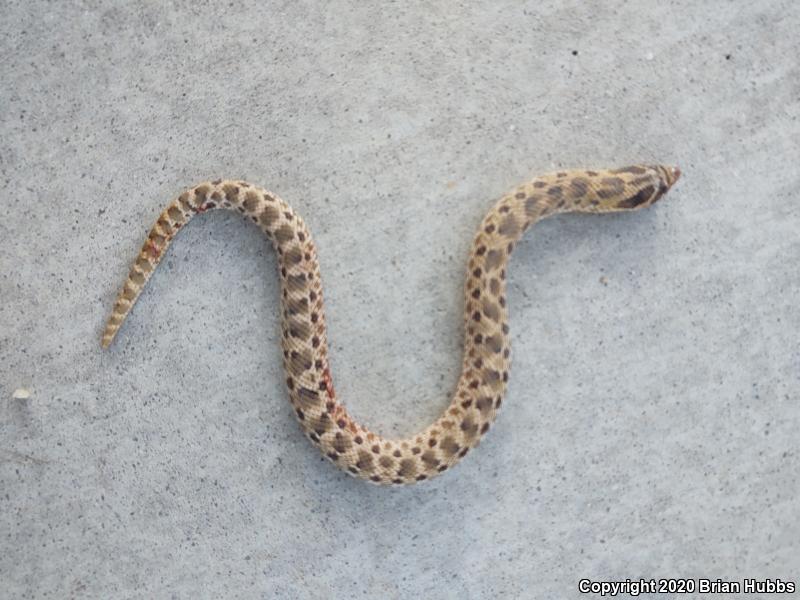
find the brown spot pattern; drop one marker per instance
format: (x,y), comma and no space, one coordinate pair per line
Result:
(269,215)
(509,227)
(284,234)
(494,259)
(251,201)
(612,186)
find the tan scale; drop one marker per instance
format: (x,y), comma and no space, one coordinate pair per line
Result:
(485,371)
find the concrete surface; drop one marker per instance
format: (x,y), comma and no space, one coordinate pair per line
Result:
(651,425)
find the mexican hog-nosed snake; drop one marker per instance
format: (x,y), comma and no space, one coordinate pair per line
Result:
(482,384)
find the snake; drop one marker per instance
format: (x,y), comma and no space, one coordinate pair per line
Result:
(482,383)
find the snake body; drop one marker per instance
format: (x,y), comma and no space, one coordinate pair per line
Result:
(482,384)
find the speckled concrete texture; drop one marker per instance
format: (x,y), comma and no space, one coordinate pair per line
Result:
(651,424)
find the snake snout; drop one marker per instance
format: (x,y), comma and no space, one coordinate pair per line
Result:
(670,175)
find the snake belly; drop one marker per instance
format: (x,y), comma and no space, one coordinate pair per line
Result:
(486,361)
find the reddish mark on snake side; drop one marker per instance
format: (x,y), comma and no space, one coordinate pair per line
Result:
(152,248)
(326,378)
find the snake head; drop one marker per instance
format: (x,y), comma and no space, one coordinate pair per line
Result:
(667,176)
(643,186)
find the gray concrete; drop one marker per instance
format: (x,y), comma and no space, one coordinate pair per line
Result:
(650,428)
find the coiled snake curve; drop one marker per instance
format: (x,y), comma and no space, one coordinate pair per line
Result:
(482,383)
